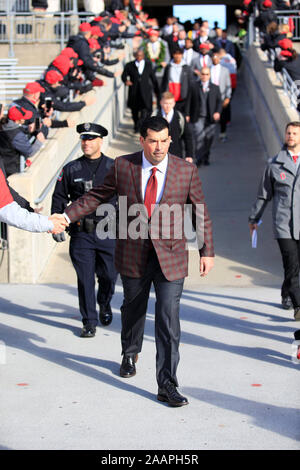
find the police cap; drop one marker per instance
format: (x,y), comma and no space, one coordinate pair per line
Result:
(91,129)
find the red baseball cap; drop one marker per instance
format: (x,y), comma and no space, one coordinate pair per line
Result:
(204,45)
(286,54)
(63,63)
(285,43)
(85,27)
(53,77)
(69,52)
(93,43)
(96,31)
(153,32)
(80,62)
(267,3)
(33,87)
(15,113)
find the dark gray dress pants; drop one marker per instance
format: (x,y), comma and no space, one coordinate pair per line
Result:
(167,325)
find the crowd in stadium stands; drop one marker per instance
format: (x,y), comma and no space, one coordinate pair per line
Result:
(177,59)
(277,37)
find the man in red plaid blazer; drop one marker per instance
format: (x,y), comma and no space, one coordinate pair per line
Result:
(152,177)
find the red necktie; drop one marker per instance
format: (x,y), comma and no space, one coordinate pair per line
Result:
(295,158)
(204,63)
(151,191)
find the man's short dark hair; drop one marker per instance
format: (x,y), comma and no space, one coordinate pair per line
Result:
(155,123)
(177,50)
(139,51)
(293,124)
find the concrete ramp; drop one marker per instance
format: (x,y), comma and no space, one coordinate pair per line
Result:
(59,391)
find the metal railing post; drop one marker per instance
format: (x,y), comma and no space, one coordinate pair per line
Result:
(11,52)
(62,31)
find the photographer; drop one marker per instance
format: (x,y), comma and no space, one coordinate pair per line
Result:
(30,102)
(79,43)
(69,66)
(13,140)
(51,84)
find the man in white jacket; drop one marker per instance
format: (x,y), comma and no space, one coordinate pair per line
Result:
(13,214)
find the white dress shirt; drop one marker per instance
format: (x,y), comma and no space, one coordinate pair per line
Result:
(205,86)
(203,39)
(140,66)
(168,116)
(188,55)
(207,59)
(215,74)
(161,175)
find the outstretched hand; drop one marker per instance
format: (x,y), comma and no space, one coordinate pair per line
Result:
(59,223)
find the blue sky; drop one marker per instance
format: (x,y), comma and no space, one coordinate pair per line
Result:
(210,13)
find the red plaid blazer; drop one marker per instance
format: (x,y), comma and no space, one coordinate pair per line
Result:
(182,186)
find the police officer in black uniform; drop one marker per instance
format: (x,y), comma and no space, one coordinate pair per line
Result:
(89,254)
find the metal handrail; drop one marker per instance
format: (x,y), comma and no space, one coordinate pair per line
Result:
(13,31)
(288,12)
(20,6)
(289,86)
(283,15)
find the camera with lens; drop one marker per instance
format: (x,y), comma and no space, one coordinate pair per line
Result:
(48,103)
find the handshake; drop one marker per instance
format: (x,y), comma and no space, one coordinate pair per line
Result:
(59,223)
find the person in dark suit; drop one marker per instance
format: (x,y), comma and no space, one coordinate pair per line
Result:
(206,110)
(188,52)
(139,76)
(224,43)
(180,130)
(153,180)
(178,79)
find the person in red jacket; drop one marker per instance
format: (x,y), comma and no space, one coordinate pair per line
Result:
(13,214)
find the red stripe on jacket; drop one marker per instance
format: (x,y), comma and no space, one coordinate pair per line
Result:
(5,195)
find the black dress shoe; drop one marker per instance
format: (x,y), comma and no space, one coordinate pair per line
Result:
(88,331)
(286,303)
(105,315)
(127,368)
(169,394)
(297,313)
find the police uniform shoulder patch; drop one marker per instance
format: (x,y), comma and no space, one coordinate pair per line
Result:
(60,176)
